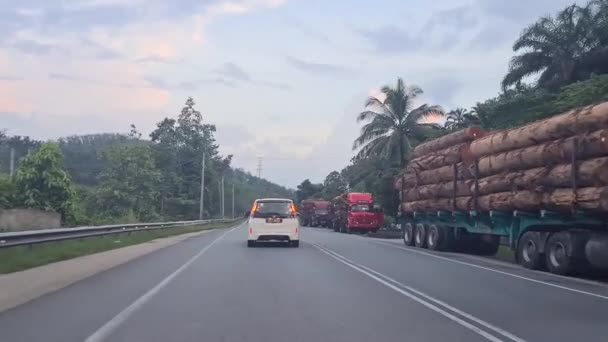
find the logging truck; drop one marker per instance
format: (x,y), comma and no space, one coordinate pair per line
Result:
(314,213)
(541,188)
(356,212)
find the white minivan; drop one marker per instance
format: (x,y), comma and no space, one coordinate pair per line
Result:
(273,219)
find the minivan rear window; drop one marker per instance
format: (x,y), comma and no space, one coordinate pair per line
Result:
(267,209)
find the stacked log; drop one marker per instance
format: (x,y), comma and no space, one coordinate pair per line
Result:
(560,163)
(458,137)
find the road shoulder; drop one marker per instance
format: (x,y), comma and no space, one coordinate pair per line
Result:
(21,287)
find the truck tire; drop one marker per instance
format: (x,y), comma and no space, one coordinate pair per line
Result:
(420,236)
(560,254)
(408,234)
(528,251)
(435,237)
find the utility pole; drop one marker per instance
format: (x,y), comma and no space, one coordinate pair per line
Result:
(259,167)
(202,201)
(219,194)
(223,198)
(233,201)
(12,162)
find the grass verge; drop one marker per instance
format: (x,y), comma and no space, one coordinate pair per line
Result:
(19,258)
(505,254)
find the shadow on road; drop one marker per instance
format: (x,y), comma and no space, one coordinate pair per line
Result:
(272,244)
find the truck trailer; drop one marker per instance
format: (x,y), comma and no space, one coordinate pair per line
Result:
(314,213)
(541,189)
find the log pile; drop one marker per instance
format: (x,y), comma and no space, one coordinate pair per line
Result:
(560,163)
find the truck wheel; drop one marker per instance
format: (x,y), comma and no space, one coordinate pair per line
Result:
(408,234)
(528,254)
(420,236)
(559,254)
(435,236)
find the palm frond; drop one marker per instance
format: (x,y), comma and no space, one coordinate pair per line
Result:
(373,130)
(373,147)
(422,112)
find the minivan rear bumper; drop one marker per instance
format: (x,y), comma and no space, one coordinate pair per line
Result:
(282,236)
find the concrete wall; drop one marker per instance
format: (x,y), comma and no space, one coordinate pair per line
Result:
(28,219)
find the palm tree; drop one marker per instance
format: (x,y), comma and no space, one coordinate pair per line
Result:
(553,47)
(461,118)
(394,124)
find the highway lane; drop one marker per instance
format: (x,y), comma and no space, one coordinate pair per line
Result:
(335,287)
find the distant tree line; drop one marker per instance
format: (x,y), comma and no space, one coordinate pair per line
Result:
(108,178)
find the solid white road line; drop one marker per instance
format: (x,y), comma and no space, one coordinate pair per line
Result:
(413,250)
(486,260)
(107,329)
(425,296)
(403,289)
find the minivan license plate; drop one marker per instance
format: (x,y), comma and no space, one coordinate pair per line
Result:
(274,220)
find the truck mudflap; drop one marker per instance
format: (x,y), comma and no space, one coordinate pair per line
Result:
(596,251)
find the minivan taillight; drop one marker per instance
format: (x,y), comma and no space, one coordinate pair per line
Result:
(250,230)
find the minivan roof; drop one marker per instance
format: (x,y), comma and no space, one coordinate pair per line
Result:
(273,199)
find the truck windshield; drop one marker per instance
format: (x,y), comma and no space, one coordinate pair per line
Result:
(359,207)
(267,209)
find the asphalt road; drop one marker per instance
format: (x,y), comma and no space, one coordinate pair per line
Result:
(335,287)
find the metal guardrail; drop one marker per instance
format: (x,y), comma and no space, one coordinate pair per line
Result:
(32,237)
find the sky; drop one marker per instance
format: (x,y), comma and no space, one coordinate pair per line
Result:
(283,80)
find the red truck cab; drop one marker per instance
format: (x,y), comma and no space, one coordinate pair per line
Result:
(356,212)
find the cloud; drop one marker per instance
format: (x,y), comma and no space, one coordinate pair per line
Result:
(161,83)
(322,69)
(460,18)
(442,90)
(10,78)
(306,29)
(234,74)
(391,39)
(491,37)
(233,71)
(154,59)
(34,48)
(273,85)
(62,77)
(521,12)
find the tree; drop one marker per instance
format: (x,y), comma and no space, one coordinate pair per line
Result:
(394,125)
(308,190)
(83,154)
(8,191)
(460,118)
(179,146)
(556,46)
(43,183)
(334,185)
(129,184)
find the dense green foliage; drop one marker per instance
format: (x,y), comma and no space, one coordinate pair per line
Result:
(42,182)
(565,48)
(108,178)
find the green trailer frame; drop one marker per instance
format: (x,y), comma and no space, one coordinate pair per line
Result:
(511,224)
